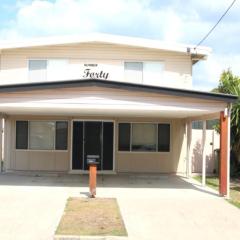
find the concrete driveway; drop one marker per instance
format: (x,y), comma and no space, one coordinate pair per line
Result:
(153,206)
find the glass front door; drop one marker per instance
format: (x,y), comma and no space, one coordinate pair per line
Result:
(92,138)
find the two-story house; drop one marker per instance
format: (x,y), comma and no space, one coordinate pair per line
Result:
(127,100)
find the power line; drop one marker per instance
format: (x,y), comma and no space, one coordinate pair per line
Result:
(220,19)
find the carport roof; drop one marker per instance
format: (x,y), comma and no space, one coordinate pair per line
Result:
(120,85)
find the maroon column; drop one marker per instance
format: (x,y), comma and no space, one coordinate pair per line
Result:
(223,155)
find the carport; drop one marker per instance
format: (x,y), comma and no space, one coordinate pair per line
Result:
(117,101)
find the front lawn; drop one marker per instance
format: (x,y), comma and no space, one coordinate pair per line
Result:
(213,182)
(91,216)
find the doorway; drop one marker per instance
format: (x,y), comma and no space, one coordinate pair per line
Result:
(92,138)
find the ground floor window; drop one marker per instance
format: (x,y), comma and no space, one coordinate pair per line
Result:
(144,137)
(41,135)
(210,124)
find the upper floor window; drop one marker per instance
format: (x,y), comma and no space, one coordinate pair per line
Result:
(57,69)
(133,71)
(150,72)
(47,70)
(37,70)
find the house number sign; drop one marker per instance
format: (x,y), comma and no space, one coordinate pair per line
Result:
(92,71)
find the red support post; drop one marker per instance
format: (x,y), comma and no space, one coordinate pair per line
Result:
(223,168)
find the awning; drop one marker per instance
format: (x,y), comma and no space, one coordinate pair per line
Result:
(109,98)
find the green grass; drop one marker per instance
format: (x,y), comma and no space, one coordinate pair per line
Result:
(235,195)
(213,182)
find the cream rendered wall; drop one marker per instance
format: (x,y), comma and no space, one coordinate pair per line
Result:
(177,67)
(34,160)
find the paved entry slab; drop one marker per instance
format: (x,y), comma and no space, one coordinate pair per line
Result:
(153,206)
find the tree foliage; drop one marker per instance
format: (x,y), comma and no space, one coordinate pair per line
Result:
(230,84)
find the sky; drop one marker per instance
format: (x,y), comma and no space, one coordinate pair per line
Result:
(181,21)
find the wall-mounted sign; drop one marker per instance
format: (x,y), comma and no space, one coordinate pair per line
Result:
(95,69)
(94,72)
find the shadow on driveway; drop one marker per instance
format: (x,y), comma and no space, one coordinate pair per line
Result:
(160,181)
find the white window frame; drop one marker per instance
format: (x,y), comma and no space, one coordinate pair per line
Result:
(43,59)
(144,61)
(132,61)
(150,152)
(152,61)
(43,150)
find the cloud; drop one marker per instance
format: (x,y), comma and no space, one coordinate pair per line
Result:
(133,17)
(167,20)
(172,20)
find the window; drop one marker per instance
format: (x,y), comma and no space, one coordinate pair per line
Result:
(51,69)
(197,125)
(61,135)
(211,124)
(37,70)
(57,69)
(144,72)
(41,135)
(152,72)
(163,137)
(133,71)
(22,134)
(144,137)
(124,136)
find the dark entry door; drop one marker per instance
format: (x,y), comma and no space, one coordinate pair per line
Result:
(93,141)
(107,163)
(92,138)
(77,146)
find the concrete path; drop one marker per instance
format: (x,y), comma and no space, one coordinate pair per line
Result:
(153,206)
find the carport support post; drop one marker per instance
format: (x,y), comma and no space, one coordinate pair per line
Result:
(189,139)
(204,153)
(224,170)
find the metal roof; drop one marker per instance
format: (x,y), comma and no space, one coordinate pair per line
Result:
(120,85)
(200,52)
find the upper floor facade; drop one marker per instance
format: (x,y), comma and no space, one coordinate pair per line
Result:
(104,57)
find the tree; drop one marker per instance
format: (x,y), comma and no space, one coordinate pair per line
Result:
(230,84)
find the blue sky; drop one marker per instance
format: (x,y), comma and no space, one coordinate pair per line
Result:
(169,20)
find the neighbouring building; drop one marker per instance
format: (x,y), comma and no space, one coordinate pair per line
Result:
(128,100)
